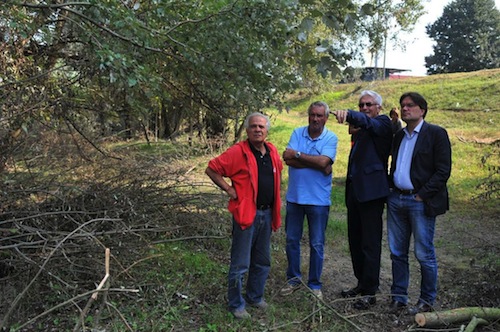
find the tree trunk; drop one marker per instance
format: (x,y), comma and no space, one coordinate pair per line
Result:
(434,319)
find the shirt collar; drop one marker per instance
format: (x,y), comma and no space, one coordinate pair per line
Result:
(257,152)
(416,130)
(306,133)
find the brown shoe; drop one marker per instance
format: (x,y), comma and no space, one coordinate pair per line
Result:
(241,314)
(262,305)
(289,289)
(318,293)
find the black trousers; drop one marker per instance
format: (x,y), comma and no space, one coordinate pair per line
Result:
(364,228)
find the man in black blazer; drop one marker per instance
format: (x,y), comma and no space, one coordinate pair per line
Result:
(366,190)
(420,169)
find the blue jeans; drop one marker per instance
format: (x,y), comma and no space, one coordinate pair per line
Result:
(317,220)
(250,253)
(405,216)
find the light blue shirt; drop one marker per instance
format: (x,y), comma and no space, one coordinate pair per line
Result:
(309,186)
(402,179)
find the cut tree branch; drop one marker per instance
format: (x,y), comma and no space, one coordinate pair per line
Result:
(439,318)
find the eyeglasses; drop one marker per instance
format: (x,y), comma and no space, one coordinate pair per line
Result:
(410,105)
(361,105)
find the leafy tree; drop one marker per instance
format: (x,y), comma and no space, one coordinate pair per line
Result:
(103,67)
(466,37)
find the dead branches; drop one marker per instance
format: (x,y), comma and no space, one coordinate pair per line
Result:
(18,298)
(57,216)
(104,281)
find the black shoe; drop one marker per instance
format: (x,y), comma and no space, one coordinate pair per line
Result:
(353,292)
(420,307)
(396,306)
(365,302)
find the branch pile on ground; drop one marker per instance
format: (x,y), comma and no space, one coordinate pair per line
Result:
(58,214)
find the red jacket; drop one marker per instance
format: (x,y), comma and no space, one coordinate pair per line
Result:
(238,163)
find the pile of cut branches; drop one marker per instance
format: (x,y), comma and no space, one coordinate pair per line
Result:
(59,212)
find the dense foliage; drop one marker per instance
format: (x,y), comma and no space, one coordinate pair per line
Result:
(158,68)
(466,37)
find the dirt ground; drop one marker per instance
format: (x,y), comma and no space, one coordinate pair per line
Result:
(467,252)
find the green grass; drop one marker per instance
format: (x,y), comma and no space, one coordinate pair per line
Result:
(463,103)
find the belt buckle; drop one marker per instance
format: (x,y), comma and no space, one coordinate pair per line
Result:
(406,191)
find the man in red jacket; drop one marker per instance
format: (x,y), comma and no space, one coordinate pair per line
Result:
(254,168)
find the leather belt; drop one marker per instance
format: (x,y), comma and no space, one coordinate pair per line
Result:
(405,191)
(263,207)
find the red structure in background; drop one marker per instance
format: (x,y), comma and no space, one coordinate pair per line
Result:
(398,76)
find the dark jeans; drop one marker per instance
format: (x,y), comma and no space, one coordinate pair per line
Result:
(364,223)
(250,253)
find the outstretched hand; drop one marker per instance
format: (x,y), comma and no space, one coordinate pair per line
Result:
(340,115)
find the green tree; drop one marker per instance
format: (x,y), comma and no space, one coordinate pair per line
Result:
(467,37)
(104,67)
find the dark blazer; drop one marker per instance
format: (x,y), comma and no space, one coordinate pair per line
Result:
(367,169)
(430,167)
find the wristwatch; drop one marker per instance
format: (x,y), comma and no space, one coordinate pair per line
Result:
(297,155)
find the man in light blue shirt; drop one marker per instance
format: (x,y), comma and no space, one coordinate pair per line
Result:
(309,155)
(403,163)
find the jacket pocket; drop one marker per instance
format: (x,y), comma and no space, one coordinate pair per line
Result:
(373,168)
(241,209)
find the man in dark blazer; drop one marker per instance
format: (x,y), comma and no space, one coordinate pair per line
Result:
(366,190)
(420,169)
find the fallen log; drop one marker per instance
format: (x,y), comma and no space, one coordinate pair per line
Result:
(439,318)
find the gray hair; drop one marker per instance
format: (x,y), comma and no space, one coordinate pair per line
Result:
(249,116)
(319,104)
(373,94)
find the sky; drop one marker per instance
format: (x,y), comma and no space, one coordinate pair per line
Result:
(418,44)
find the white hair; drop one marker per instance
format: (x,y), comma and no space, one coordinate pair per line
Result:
(249,116)
(373,94)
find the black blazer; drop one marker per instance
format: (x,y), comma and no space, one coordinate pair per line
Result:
(430,167)
(367,169)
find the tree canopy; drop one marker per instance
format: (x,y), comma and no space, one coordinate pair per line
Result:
(467,37)
(107,67)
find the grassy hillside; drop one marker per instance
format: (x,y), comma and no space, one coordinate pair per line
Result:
(465,104)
